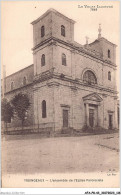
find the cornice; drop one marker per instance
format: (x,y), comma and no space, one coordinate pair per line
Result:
(19,88)
(75,83)
(74,87)
(110,111)
(42,43)
(51,10)
(19,71)
(53,83)
(65,105)
(53,41)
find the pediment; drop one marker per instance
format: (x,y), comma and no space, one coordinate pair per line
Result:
(93,97)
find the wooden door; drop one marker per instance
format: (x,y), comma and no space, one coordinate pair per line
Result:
(110,121)
(91,117)
(65,118)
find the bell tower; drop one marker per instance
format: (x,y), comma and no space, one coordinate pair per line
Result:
(105,47)
(52,26)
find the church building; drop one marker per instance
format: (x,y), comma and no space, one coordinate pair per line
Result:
(69,85)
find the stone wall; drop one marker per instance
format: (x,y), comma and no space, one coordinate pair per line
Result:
(43,92)
(103,45)
(16,122)
(78,63)
(17,78)
(52,21)
(47,23)
(57,21)
(19,87)
(67,96)
(47,51)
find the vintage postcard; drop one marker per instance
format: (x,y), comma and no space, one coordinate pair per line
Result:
(60,94)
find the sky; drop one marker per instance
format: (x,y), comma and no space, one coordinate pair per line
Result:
(17,31)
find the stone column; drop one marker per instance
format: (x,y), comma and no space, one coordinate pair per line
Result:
(97,122)
(116,116)
(87,114)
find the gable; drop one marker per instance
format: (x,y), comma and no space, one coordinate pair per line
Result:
(93,97)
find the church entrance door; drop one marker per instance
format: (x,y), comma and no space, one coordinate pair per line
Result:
(91,117)
(110,121)
(65,118)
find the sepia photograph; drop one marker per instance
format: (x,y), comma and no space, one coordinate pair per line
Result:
(60,115)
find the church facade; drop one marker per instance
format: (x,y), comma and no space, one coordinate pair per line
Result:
(70,85)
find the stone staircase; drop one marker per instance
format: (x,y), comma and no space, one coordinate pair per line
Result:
(67,131)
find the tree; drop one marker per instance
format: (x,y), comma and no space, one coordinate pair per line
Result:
(21,104)
(6,111)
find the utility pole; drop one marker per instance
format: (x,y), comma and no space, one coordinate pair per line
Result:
(3,81)
(3,95)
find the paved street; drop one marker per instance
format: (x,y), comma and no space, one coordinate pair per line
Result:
(33,154)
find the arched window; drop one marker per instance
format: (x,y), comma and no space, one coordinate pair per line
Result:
(42,31)
(43,60)
(44,109)
(108,53)
(12,85)
(24,81)
(63,30)
(63,59)
(109,76)
(89,77)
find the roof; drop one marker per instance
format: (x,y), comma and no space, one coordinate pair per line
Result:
(32,65)
(101,39)
(54,11)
